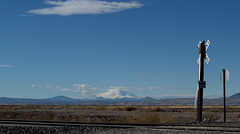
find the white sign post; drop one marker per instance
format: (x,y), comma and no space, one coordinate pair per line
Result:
(224,78)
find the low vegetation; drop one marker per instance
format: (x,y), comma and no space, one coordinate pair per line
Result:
(124,114)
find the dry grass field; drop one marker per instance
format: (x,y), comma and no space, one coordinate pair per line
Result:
(125,114)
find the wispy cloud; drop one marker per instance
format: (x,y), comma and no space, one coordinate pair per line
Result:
(36,86)
(68,90)
(71,7)
(128,88)
(145,88)
(164,88)
(52,87)
(41,86)
(6,66)
(80,86)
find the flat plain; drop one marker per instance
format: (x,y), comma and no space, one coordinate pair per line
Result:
(117,114)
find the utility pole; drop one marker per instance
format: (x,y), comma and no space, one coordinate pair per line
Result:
(200,79)
(201,82)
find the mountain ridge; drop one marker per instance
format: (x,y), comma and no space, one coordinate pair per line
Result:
(63,100)
(235,96)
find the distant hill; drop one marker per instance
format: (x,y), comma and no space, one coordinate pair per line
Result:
(147,99)
(235,96)
(61,98)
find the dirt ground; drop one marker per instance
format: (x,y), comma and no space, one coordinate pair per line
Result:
(125,114)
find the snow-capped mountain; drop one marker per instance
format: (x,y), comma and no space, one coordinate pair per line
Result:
(116,94)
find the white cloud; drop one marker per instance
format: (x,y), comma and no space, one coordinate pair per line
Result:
(164,88)
(68,90)
(42,86)
(36,86)
(48,86)
(71,7)
(128,88)
(53,87)
(6,66)
(144,89)
(88,95)
(96,88)
(84,92)
(80,86)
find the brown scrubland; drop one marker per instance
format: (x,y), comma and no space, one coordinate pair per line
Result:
(116,114)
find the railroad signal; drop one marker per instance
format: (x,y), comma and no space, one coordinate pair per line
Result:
(207,59)
(201,83)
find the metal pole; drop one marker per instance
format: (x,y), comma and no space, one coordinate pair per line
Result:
(202,54)
(224,95)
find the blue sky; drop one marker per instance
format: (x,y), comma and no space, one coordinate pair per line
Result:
(80,48)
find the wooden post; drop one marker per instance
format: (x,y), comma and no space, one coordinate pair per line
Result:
(202,54)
